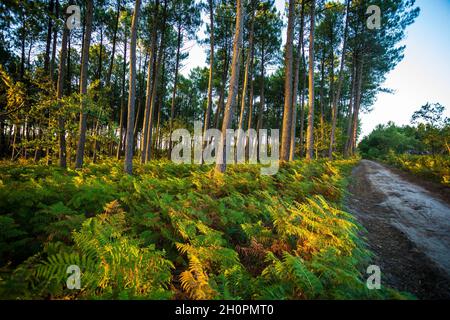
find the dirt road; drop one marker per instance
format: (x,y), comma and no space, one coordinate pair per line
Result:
(408,229)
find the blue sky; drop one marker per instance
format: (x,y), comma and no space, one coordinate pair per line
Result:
(421,77)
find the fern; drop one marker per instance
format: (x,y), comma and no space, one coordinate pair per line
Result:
(178,230)
(111,263)
(298,281)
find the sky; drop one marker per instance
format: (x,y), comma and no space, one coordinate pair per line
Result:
(421,77)
(197,53)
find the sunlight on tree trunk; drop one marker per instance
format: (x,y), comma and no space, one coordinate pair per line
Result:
(234,84)
(310,128)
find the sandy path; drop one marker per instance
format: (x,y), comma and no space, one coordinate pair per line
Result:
(408,230)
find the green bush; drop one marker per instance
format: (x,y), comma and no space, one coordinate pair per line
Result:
(436,168)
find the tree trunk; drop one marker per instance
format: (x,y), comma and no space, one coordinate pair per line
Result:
(353,137)
(310,129)
(22,45)
(175,83)
(155,87)
(234,84)
(350,108)
(113,50)
(128,165)
(320,143)
(55,41)
(140,96)
(3,138)
(59,94)
(248,67)
(122,99)
(261,93)
(49,35)
(100,62)
(251,93)
(150,80)
(296,80)
(69,74)
(302,97)
(160,103)
(224,80)
(250,106)
(211,66)
(110,69)
(83,84)
(339,85)
(99,77)
(29,54)
(287,114)
(13,146)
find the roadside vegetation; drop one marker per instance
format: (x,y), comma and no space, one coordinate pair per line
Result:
(435,168)
(86,116)
(178,231)
(421,148)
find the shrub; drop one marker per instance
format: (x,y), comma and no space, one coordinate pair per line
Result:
(179,231)
(436,168)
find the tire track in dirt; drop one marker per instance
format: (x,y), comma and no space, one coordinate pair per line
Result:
(408,229)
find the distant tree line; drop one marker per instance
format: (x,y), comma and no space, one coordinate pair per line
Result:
(428,134)
(114,87)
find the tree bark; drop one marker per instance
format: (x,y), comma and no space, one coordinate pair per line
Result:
(49,34)
(248,70)
(3,138)
(351,107)
(261,93)
(155,87)
(122,99)
(83,84)
(55,41)
(287,114)
(128,165)
(150,80)
(99,78)
(320,143)
(59,94)
(310,128)
(224,80)
(69,74)
(113,50)
(22,55)
(175,83)
(251,94)
(339,85)
(250,106)
(234,84)
(140,96)
(211,66)
(352,144)
(160,103)
(296,81)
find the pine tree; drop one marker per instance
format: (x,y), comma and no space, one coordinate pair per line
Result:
(221,160)
(287,115)
(83,83)
(310,128)
(128,166)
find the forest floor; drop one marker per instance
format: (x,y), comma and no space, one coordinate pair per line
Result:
(408,228)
